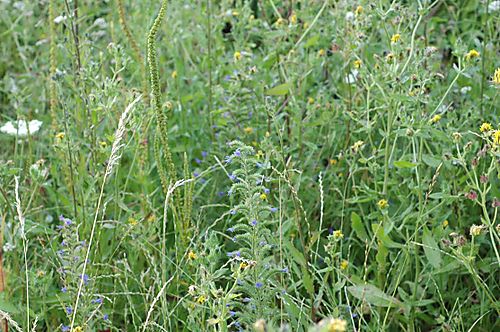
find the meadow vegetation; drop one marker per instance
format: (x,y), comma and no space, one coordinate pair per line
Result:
(323,165)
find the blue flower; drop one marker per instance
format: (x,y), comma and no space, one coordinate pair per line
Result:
(69,310)
(232,313)
(273,209)
(266,191)
(262,243)
(253,222)
(258,284)
(230,229)
(237,153)
(198,161)
(233,212)
(284,270)
(228,159)
(196,174)
(232,177)
(97,301)
(64,328)
(105,317)
(221,193)
(85,278)
(204,154)
(64,289)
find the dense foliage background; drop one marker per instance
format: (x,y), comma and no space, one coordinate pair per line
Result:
(235,165)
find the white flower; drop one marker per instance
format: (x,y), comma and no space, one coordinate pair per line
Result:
(59,19)
(20,128)
(494,6)
(349,16)
(352,77)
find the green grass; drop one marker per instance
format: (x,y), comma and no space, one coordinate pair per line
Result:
(250,165)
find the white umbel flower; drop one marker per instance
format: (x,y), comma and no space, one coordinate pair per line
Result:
(21,127)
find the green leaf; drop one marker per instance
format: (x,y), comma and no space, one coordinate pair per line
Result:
(279,90)
(431,249)
(358,226)
(7,306)
(384,238)
(373,295)
(430,160)
(313,41)
(404,164)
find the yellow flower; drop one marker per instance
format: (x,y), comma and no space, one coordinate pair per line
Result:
(280,21)
(132,221)
(337,325)
(293,19)
(78,329)
(472,54)
(235,13)
(40,273)
(358,10)
(243,265)
(358,63)
(485,127)
(103,144)
(310,100)
(306,25)
(259,154)
(60,135)
(356,146)
(192,255)
(496,137)
(321,52)
(496,76)
(383,204)
(338,234)
(333,162)
(476,230)
(263,196)
(248,130)
(344,264)
(151,218)
(174,74)
(395,38)
(436,118)
(237,56)
(201,299)
(445,223)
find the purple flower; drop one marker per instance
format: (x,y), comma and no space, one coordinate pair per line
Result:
(196,174)
(105,317)
(197,160)
(262,243)
(258,284)
(273,209)
(85,278)
(230,229)
(221,193)
(228,159)
(60,252)
(69,310)
(266,191)
(233,212)
(66,221)
(64,289)
(204,154)
(97,301)
(232,313)
(63,243)
(237,153)
(232,177)
(284,270)
(253,223)
(64,328)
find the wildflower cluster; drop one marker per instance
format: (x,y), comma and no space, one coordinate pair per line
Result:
(71,257)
